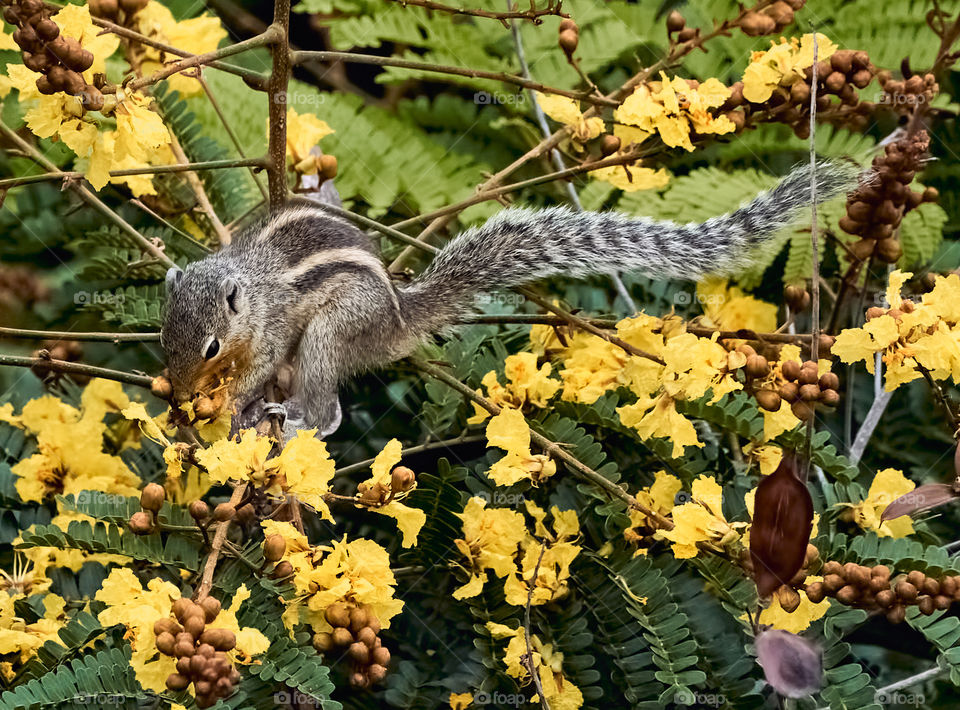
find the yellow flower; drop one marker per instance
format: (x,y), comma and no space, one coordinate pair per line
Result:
(728,308)
(555,555)
(197,35)
(509,430)
(565,110)
(782,65)
(308,470)
(700,521)
(888,485)
(241,459)
(19,637)
(800,618)
(490,540)
(674,108)
(304,131)
(633,177)
(460,701)
(409,520)
(526,385)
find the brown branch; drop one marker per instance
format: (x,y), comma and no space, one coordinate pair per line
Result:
(115,338)
(154,249)
(77,368)
(553,449)
(815,250)
(206,581)
(528,657)
(410,451)
(277,95)
(223,236)
(533,14)
(941,399)
(331,56)
(196,60)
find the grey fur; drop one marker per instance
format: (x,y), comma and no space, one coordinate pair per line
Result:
(311,289)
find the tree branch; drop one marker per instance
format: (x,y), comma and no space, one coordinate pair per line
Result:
(206,581)
(115,338)
(77,368)
(533,14)
(277,95)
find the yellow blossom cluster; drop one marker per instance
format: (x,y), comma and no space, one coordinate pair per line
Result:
(729,308)
(782,65)
(130,605)
(700,520)
(527,385)
(19,637)
(70,456)
(355,572)
(558,690)
(497,539)
(137,136)
(800,618)
(910,337)
(409,520)
(675,108)
(509,431)
(304,132)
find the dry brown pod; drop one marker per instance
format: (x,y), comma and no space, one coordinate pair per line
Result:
(609,144)
(224,512)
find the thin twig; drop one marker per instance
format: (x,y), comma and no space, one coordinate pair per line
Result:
(410,451)
(223,236)
(814,245)
(77,368)
(533,14)
(68,335)
(528,657)
(206,581)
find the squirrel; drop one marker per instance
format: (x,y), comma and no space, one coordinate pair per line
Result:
(309,289)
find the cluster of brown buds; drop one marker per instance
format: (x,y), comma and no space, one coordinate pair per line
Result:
(773,18)
(356,630)
(119,11)
(151,500)
(906,306)
(799,384)
(905,95)
(199,649)
(875,589)
(67,350)
(402,481)
(875,210)
(787,594)
(60,60)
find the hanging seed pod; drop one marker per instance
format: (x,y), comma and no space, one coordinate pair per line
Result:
(782,522)
(792,665)
(675,22)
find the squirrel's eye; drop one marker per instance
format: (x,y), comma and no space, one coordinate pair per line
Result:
(212,349)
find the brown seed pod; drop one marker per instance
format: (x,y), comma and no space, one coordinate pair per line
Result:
(809,373)
(809,393)
(359,680)
(757,366)
(274,547)
(323,642)
(755,24)
(829,381)
(161,387)
(885,598)
(141,523)
(220,639)
(337,614)
(194,624)
(283,569)
(830,398)
(848,594)
(905,591)
(359,653)
(802,410)
(402,479)
(926,605)
(568,24)
(896,614)
(211,607)
(789,391)
(92,99)
(367,636)
(358,619)
(609,144)
(47,29)
(675,22)
(224,512)
(152,497)
(381,656)
(568,41)
(789,598)
(376,673)
(176,681)
(917,578)
(768,400)
(165,643)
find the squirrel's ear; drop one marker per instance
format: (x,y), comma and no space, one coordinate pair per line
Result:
(231,294)
(174,274)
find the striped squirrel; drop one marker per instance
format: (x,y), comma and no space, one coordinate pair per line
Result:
(308,288)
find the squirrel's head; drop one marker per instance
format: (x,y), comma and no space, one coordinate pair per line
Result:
(206,330)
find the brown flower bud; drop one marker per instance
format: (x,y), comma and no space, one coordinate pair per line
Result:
(789,391)
(328,166)
(768,400)
(224,512)
(609,144)
(755,24)
(568,41)
(896,614)
(809,374)
(211,608)
(803,411)
(141,523)
(359,653)
(926,605)
(829,381)
(809,393)
(165,643)
(342,636)
(568,24)
(905,591)
(789,598)
(889,250)
(815,592)
(885,598)
(282,570)
(687,34)
(830,398)
(161,387)
(376,673)
(274,547)
(204,408)
(323,642)
(848,594)
(199,510)
(402,479)
(176,681)
(675,22)
(152,497)
(790,369)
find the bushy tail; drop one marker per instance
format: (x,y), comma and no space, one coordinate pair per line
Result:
(520,245)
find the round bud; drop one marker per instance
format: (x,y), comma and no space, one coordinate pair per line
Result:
(675,22)
(815,592)
(141,523)
(359,653)
(847,594)
(568,42)
(92,98)
(829,381)
(381,656)
(609,144)
(789,598)
(204,408)
(359,680)
(367,636)
(905,591)
(809,373)
(896,614)
(768,400)
(47,29)
(206,650)
(942,601)
(166,625)
(832,567)
(165,643)
(283,569)
(342,636)
(246,513)
(224,512)
(809,393)
(183,665)
(790,369)
(931,586)
(755,24)
(274,547)
(875,312)
(687,34)
(176,681)
(402,479)
(152,496)
(829,398)
(802,410)
(757,366)
(337,614)
(328,166)
(917,578)
(194,624)
(832,583)
(889,250)
(180,608)
(789,391)
(926,605)
(358,619)
(885,598)
(568,24)
(199,511)
(797,297)
(220,639)
(211,607)
(746,349)
(376,673)
(323,642)
(161,387)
